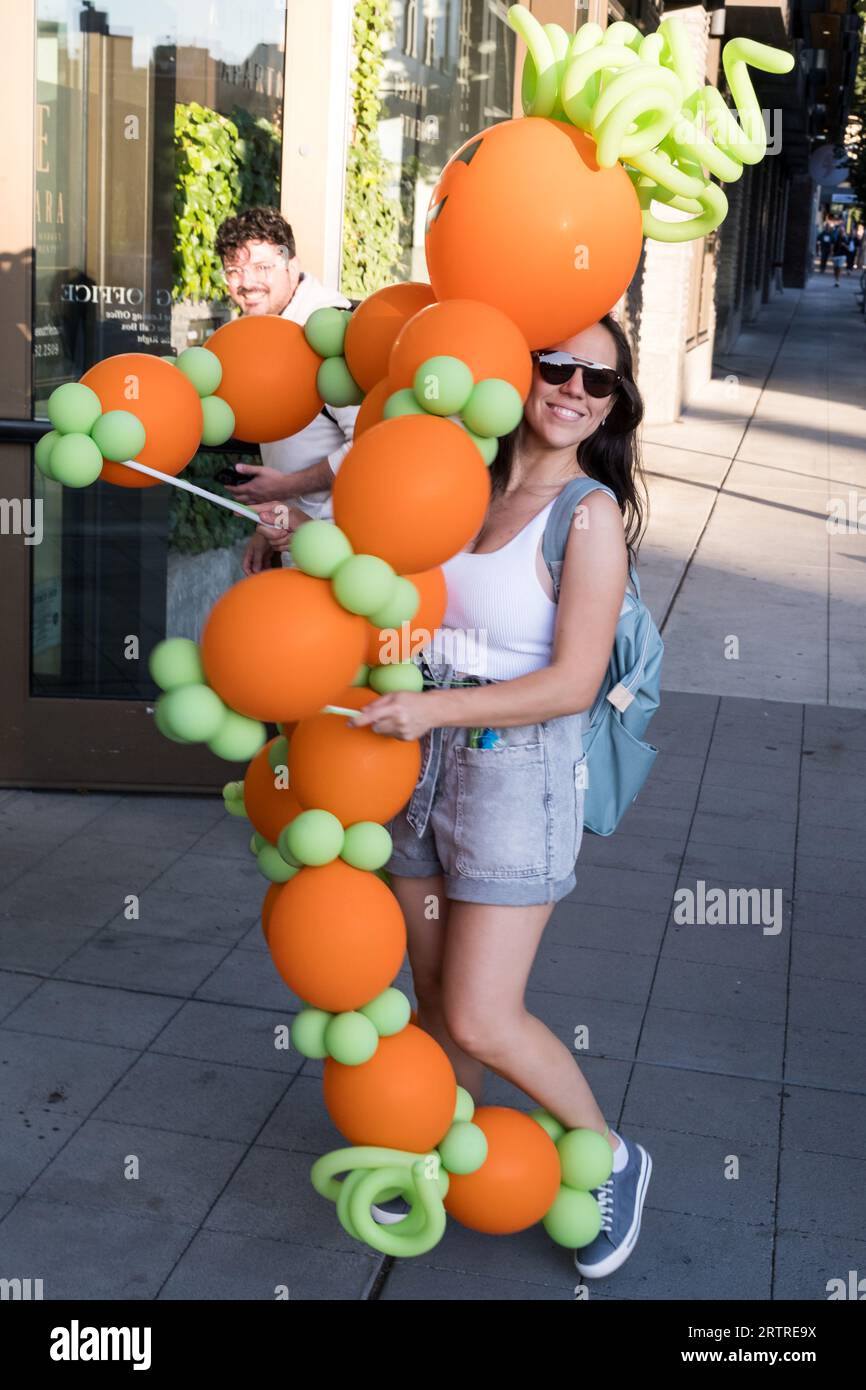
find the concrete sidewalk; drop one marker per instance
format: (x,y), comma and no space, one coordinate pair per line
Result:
(155,1039)
(740,489)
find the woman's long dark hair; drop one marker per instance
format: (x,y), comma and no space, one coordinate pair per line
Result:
(611,455)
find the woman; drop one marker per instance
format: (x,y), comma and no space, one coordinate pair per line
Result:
(488,842)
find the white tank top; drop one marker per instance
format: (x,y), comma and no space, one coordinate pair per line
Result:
(499,621)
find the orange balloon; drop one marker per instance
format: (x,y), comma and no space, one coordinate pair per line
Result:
(517,1182)
(268,907)
(532,187)
(372,406)
(269,376)
(269,806)
(375,324)
(353,773)
(481,336)
(383,645)
(337,936)
(276,644)
(165,402)
(403,1098)
(413,491)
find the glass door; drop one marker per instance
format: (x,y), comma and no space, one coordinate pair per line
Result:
(151,124)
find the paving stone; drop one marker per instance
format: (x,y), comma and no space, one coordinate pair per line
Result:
(806,1265)
(232,1034)
(649,891)
(752,867)
(13,988)
(844,878)
(301,1122)
(165,965)
(178,1176)
(726,991)
(746,947)
(829,914)
(38,947)
(81,902)
(824,1122)
(92,1013)
(130,865)
(76,1250)
(69,1076)
(824,1057)
(624,851)
(223,1266)
(817,956)
(750,832)
(813,1001)
(822,1194)
(622,929)
(15,862)
(741,1047)
(599,974)
(192,1097)
(191,917)
(270,1195)
(249,977)
(217,876)
(691,1175)
(692,1259)
(32,1135)
(412,1280)
(734,1109)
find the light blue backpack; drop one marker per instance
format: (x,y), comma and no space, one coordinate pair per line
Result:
(618,761)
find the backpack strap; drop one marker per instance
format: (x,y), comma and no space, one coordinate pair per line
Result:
(558,527)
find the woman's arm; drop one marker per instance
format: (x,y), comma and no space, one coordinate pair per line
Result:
(591,592)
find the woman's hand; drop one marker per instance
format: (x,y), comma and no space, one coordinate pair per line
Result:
(265,484)
(405,714)
(278,523)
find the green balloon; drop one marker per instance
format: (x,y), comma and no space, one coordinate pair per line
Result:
(314,837)
(218,421)
(325,331)
(319,548)
(232,791)
(398,675)
(42,452)
(402,403)
(351,1039)
(257,842)
(464,1148)
(201,367)
(308,1032)
(400,607)
(176,661)
(363,583)
(236,807)
(284,849)
(278,753)
(389,1012)
(160,722)
(238,738)
(443,385)
(273,866)
(336,385)
(494,408)
(548,1123)
(362,675)
(73,408)
(366,845)
(465,1107)
(488,447)
(195,712)
(119,435)
(75,460)
(573,1220)
(586,1158)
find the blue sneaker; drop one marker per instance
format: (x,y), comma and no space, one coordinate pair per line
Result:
(621,1199)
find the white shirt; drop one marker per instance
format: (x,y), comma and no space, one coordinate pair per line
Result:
(322,438)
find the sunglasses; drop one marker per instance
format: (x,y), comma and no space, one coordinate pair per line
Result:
(557,368)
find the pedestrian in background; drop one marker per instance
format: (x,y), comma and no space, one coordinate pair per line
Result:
(825,243)
(839,251)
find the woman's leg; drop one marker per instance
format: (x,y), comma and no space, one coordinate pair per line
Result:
(426,910)
(489,952)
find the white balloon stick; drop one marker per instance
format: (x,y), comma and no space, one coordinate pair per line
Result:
(339,709)
(226,502)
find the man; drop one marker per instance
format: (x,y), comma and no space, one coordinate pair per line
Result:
(263,276)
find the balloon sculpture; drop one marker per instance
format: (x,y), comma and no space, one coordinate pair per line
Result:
(534,232)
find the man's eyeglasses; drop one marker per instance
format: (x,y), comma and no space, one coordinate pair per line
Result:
(259,269)
(557,368)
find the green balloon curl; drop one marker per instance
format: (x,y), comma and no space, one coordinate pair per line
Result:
(376,1175)
(638,96)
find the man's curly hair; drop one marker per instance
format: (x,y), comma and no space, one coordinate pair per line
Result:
(255,224)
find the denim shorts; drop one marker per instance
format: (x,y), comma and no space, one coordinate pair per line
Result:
(502,825)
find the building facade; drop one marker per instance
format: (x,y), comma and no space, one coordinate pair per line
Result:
(150,123)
